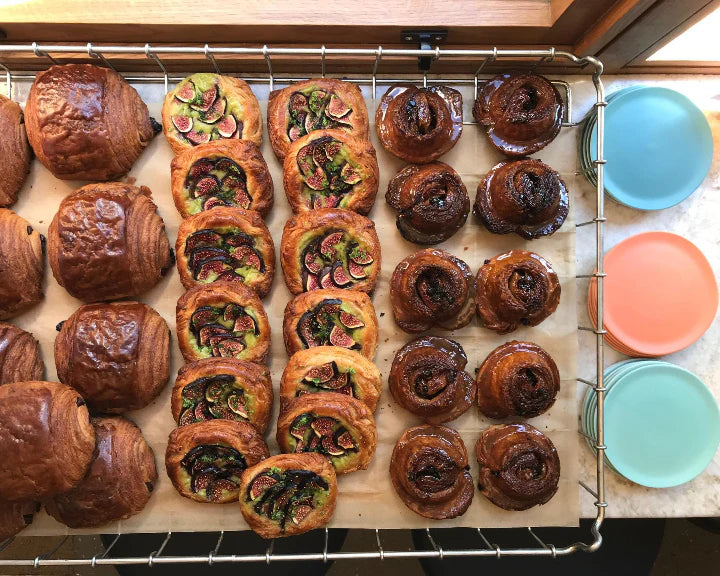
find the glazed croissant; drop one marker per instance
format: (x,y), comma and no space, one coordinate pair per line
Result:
(20,358)
(14,150)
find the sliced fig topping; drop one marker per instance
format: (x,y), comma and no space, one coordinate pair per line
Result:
(231,347)
(331,201)
(233,182)
(330,447)
(298,103)
(206,100)
(299,513)
(186,92)
(198,137)
(200,168)
(248,256)
(337,382)
(317,201)
(204,315)
(305,330)
(242,199)
(244,324)
(239,239)
(318,180)
(221,412)
(347,390)
(215,490)
(310,123)
(206,185)
(339,276)
(201,481)
(213,202)
(345,440)
(203,253)
(186,417)
(312,262)
(214,392)
(330,306)
(228,276)
(182,123)
(326,279)
(319,155)
(349,175)
(209,330)
(312,446)
(236,403)
(327,246)
(311,283)
(299,430)
(305,161)
(320,374)
(294,133)
(338,337)
(260,484)
(317,101)
(323,426)
(336,184)
(232,311)
(360,256)
(336,108)
(227,126)
(211,268)
(201,411)
(228,166)
(215,112)
(356,270)
(332,148)
(215,342)
(350,321)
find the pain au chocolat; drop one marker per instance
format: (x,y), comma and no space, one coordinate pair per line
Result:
(20,357)
(14,150)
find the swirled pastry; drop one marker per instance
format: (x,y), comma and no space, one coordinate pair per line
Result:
(14,150)
(330,369)
(205,460)
(85,122)
(223,388)
(22,264)
(221,173)
(15,517)
(517,379)
(315,104)
(519,466)
(516,288)
(429,471)
(20,358)
(522,196)
(522,112)
(46,440)
(419,125)
(226,244)
(431,201)
(428,378)
(222,319)
(331,169)
(338,427)
(107,242)
(205,107)
(117,356)
(288,494)
(119,482)
(330,248)
(343,318)
(432,288)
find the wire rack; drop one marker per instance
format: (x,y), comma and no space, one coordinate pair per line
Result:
(103,55)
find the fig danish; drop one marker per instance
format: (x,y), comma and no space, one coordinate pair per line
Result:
(522,196)
(46,440)
(205,107)
(522,112)
(315,104)
(20,358)
(119,482)
(331,169)
(330,248)
(431,201)
(22,263)
(85,122)
(205,460)
(517,379)
(288,494)
(519,466)
(430,472)
(15,517)
(107,242)
(117,355)
(428,378)
(222,319)
(221,173)
(516,288)
(432,288)
(222,388)
(419,125)
(226,244)
(330,369)
(338,427)
(14,150)
(343,318)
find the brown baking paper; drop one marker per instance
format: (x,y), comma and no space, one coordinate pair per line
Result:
(367,498)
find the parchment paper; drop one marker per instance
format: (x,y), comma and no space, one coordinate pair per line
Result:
(367,499)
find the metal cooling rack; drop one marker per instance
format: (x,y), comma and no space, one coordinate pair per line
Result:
(534,58)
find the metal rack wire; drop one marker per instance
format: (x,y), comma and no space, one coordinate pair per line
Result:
(104,54)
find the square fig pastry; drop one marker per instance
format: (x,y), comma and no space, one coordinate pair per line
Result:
(205,460)
(226,244)
(315,104)
(85,122)
(22,263)
(288,494)
(116,355)
(335,317)
(206,107)
(107,241)
(222,388)
(14,150)
(338,427)
(221,173)
(330,248)
(222,319)
(46,440)
(15,517)
(20,357)
(119,482)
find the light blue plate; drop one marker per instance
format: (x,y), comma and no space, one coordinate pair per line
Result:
(658,148)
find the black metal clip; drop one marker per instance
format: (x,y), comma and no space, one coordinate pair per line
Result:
(424,38)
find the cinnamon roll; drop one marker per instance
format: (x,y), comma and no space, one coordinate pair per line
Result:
(14,150)
(430,472)
(522,196)
(431,201)
(432,288)
(516,288)
(522,112)
(428,378)
(15,517)
(20,358)
(331,169)
(519,466)
(330,248)
(419,125)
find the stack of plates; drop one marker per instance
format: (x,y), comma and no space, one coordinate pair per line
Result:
(660,295)
(658,147)
(662,424)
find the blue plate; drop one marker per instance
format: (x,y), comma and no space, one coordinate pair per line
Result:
(658,147)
